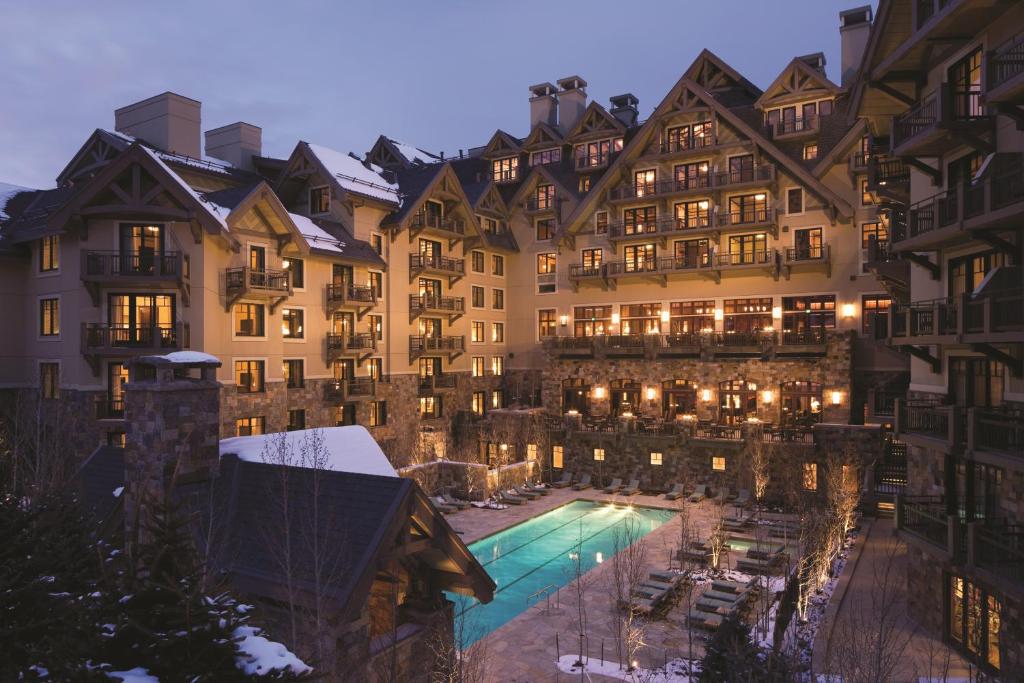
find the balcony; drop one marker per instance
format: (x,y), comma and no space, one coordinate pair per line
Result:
(888,178)
(134,269)
(1006,73)
(361,345)
(454,229)
(993,317)
(702,184)
(734,344)
(546,204)
(929,424)
(999,550)
(421,304)
(660,268)
(346,295)
(566,347)
(421,345)
(794,128)
(442,382)
(350,389)
(625,345)
(808,342)
(926,521)
(272,286)
(812,257)
(941,121)
(677,147)
(686,344)
(589,162)
(765,259)
(996,435)
(756,219)
(435,264)
(928,322)
(105,340)
(663,228)
(108,407)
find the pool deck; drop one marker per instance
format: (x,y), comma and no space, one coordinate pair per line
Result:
(524,648)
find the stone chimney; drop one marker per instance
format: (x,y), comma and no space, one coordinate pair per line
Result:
(572,101)
(854,29)
(172,413)
(169,122)
(624,108)
(543,105)
(235,143)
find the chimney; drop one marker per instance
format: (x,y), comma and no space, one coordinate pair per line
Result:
(543,105)
(235,143)
(572,101)
(624,108)
(816,61)
(169,122)
(854,29)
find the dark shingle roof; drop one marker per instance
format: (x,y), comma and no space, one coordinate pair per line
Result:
(100,475)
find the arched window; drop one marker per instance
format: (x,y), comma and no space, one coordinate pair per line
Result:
(801,402)
(737,400)
(575,395)
(625,396)
(678,397)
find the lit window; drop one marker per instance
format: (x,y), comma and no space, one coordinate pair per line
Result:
(810,152)
(498,366)
(49,380)
(865,195)
(378,413)
(49,317)
(249,376)
(498,398)
(49,253)
(545,229)
(811,476)
(250,426)
(505,170)
(531,451)
(430,407)
(656,458)
(479,402)
(249,320)
(547,325)
(319,200)
(478,366)
(584,184)
(296,267)
(498,333)
(296,420)
(294,374)
(599,454)
(556,457)
(291,323)
(477,332)
(718,463)
(377,242)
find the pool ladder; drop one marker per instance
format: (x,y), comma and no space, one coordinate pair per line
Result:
(545,593)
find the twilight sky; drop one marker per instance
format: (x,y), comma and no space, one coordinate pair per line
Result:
(440,74)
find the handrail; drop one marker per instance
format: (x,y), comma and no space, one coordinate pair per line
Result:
(431,302)
(133,263)
(246,278)
(456,225)
(346,291)
(437,262)
(1006,61)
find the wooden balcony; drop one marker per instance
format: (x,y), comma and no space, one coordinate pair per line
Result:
(363,298)
(105,340)
(703,184)
(452,268)
(803,343)
(942,121)
(995,317)
(659,269)
(737,344)
(888,178)
(930,425)
(452,229)
(589,162)
(663,229)
(759,219)
(924,323)
(421,345)
(799,127)
(763,260)
(134,269)
(272,286)
(625,345)
(811,258)
(540,205)
(438,383)
(996,436)
(569,347)
(423,304)
(672,149)
(1005,69)
(350,389)
(361,346)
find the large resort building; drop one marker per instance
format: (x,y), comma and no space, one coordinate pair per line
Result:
(742,263)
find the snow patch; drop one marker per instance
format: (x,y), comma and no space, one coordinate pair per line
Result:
(412,153)
(676,671)
(136,675)
(257,655)
(118,491)
(7,192)
(218,212)
(349,449)
(189,357)
(353,176)
(315,235)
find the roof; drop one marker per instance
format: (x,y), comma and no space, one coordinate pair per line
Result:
(330,238)
(353,176)
(7,193)
(345,449)
(101,483)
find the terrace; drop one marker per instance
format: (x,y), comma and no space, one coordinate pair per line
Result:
(272,286)
(422,345)
(452,306)
(111,340)
(343,295)
(758,176)
(361,345)
(137,269)
(435,264)
(941,121)
(351,389)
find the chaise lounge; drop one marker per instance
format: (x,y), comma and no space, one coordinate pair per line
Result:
(699,494)
(614,486)
(632,489)
(583,483)
(565,481)
(675,493)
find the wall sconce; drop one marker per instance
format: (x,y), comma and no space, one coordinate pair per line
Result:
(651,394)
(664,316)
(705,395)
(504,446)
(598,392)
(837,397)
(777,312)
(767,396)
(849,310)
(703,205)
(616,318)
(760,196)
(719,314)
(563,320)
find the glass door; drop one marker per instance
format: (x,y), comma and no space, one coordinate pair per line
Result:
(117,377)
(140,247)
(141,319)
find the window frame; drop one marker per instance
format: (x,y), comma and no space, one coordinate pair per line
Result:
(261,364)
(299,335)
(803,207)
(289,381)
(52,331)
(262,336)
(309,199)
(291,260)
(51,266)
(497,298)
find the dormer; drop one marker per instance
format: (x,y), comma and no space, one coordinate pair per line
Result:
(795,102)
(502,154)
(596,138)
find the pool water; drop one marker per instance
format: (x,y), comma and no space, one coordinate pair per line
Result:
(537,554)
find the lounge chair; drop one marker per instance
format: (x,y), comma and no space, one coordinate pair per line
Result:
(454,502)
(706,620)
(699,494)
(632,489)
(722,494)
(614,486)
(695,552)
(742,499)
(504,497)
(565,481)
(712,605)
(727,586)
(523,492)
(541,489)
(583,483)
(754,565)
(725,596)
(444,507)
(675,493)
(667,577)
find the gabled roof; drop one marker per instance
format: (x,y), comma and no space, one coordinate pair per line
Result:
(542,136)
(347,175)
(798,81)
(418,184)
(538,174)
(594,120)
(501,144)
(389,153)
(843,146)
(329,238)
(712,73)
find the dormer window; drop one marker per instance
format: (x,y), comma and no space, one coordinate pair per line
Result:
(546,156)
(505,170)
(544,197)
(595,154)
(797,118)
(319,200)
(693,136)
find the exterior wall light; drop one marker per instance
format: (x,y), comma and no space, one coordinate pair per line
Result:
(837,398)
(767,396)
(563,320)
(664,316)
(849,310)
(652,393)
(719,314)
(616,318)
(598,392)
(777,312)
(705,395)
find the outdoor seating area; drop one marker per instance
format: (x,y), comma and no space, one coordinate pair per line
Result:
(722,600)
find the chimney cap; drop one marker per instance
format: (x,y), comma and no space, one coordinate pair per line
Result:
(815,60)
(625,100)
(232,126)
(167,94)
(855,16)
(543,89)
(572,83)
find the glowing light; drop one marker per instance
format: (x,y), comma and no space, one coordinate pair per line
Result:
(616,318)
(767,396)
(563,320)
(705,395)
(719,314)
(664,316)
(769,328)
(849,310)
(759,196)
(837,397)
(702,205)
(777,312)
(599,557)
(598,392)
(651,393)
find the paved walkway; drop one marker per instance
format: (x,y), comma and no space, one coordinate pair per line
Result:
(874,603)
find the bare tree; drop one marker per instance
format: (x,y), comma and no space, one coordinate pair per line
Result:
(581,582)
(717,538)
(760,465)
(628,571)
(842,493)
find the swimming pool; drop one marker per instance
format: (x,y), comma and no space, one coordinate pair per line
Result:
(535,554)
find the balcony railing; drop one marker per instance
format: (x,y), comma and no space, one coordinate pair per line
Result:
(101,265)
(438,381)
(927,518)
(547,203)
(350,387)
(999,548)
(689,143)
(578,271)
(661,265)
(792,126)
(351,343)
(661,226)
(625,342)
(811,337)
(248,280)
(918,119)
(946,423)
(596,160)
(419,303)
(814,252)
(746,218)
(996,430)
(741,340)
(105,338)
(1006,62)
(577,344)
(763,257)
(346,293)
(887,173)
(764,173)
(422,221)
(429,344)
(436,262)
(947,105)
(109,407)
(994,312)
(936,317)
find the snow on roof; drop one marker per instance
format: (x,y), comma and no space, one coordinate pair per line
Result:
(7,191)
(348,449)
(218,212)
(207,163)
(355,177)
(415,153)
(189,357)
(315,235)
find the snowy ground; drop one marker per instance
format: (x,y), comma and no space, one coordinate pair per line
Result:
(677,671)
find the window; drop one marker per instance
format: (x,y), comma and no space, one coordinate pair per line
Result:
(478,366)
(967,272)
(544,196)
(319,200)
(249,320)
(376,279)
(488,225)
(718,463)
(249,376)
(557,452)
(584,183)
(477,332)
(874,314)
(589,321)
(377,243)
(599,454)
(476,262)
(49,380)
(498,299)
(547,325)
(498,399)
(688,317)
(639,258)
(49,317)
(294,373)
(692,176)
(376,325)
(296,267)
(345,414)
(808,244)
(291,323)
(505,170)
(693,136)
(803,314)
(811,151)
(640,220)
(497,365)
(745,249)
(645,182)
(546,156)
(810,478)
(794,200)
(590,260)
(250,426)
(498,333)
(876,230)
(801,402)
(430,407)
(747,315)
(748,208)
(497,264)
(865,195)
(117,439)
(375,369)
(477,295)
(601,222)
(479,403)
(296,419)
(640,318)
(975,618)
(378,413)
(531,452)
(545,229)
(656,458)
(49,253)
(691,215)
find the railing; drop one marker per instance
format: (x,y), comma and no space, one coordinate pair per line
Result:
(100,336)
(578,271)
(455,225)
(661,264)
(625,341)
(919,118)
(926,517)
(344,292)
(342,389)
(805,337)
(741,339)
(363,341)
(744,218)
(998,431)
(1000,549)
(108,407)
(814,252)
(248,279)
(429,344)
(716,431)
(747,258)
(795,125)
(788,434)
(541,203)
(704,181)
(438,381)
(101,264)
(1006,62)
(505,176)
(569,343)
(683,145)
(883,172)
(430,302)
(680,341)
(437,262)
(661,226)
(594,160)
(925,318)
(994,312)
(926,418)
(762,173)
(946,104)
